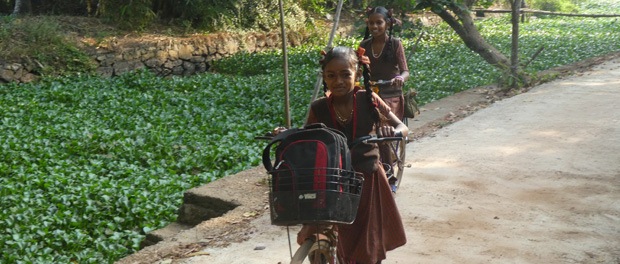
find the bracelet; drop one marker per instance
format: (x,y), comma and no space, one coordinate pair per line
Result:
(400,77)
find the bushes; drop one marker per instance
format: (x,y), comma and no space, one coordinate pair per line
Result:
(565,6)
(207,15)
(88,165)
(136,14)
(40,44)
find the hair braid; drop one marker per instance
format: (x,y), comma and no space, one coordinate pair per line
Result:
(324,86)
(374,112)
(368,11)
(390,48)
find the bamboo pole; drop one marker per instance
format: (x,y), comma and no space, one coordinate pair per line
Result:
(287,104)
(319,80)
(514,54)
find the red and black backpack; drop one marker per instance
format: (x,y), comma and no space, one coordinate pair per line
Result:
(312,179)
(306,157)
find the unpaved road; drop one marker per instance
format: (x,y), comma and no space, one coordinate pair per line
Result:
(534,178)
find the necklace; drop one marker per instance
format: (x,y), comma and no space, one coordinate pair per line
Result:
(341,119)
(373,50)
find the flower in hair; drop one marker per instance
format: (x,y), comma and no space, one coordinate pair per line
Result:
(363,59)
(322,59)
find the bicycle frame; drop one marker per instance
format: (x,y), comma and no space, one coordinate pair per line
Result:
(397,146)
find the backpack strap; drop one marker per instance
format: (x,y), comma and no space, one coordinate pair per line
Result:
(315,125)
(276,139)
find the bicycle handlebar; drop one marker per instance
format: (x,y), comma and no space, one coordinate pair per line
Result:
(267,136)
(381,82)
(364,139)
(375,139)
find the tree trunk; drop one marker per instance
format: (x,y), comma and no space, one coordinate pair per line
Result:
(17,7)
(100,8)
(472,38)
(21,6)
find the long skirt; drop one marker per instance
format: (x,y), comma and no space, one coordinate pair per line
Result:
(397,105)
(377,228)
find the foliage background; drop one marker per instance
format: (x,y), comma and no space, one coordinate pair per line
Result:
(89,165)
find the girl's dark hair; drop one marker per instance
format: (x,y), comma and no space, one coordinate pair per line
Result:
(387,16)
(351,56)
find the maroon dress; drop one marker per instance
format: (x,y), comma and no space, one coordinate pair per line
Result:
(382,68)
(378,227)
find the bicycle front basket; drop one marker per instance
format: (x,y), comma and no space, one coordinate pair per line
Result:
(314,195)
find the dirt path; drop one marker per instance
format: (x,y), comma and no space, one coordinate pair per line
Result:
(531,179)
(534,178)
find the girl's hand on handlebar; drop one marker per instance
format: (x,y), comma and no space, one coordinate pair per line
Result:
(386,131)
(398,81)
(277,130)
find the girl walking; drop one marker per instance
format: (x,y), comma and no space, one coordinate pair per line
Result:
(387,63)
(387,57)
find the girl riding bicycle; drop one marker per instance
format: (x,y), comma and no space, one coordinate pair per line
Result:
(357,112)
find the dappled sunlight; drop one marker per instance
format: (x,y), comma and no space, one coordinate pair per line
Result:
(536,143)
(606,83)
(562,136)
(438,163)
(507,150)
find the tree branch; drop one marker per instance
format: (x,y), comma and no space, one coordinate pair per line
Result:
(540,12)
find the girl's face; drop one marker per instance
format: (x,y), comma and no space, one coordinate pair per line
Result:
(376,24)
(339,75)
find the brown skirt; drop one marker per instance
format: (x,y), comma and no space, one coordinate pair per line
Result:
(378,227)
(397,105)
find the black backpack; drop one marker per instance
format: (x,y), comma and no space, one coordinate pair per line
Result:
(311,169)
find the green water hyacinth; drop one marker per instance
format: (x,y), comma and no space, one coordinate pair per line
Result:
(89,165)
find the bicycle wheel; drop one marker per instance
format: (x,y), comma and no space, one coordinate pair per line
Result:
(317,252)
(398,149)
(302,252)
(322,252)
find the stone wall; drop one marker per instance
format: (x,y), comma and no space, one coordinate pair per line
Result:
(163,55)
(179,56)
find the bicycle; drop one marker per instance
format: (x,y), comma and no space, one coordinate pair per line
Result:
(398,153)
(397,146)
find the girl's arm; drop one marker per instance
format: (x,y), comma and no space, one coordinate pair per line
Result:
(400,79)
(395,126)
